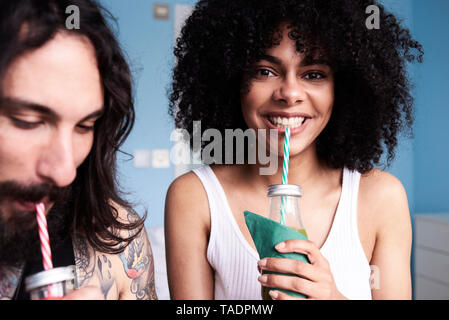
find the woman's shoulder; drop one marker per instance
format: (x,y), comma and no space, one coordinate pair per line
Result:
(187,197)
(381,185)
(383,197)
(185,186)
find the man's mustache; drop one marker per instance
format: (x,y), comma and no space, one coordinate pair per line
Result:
(11,190)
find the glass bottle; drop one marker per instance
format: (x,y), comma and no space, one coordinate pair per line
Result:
(51,284)
(284,206)
(284,209)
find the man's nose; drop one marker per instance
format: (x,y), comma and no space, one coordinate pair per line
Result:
(57,162)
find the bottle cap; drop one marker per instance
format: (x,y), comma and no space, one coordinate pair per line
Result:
(50,276)
(284,190)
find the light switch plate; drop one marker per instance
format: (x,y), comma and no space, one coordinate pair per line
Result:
(142,158)
(161,11)
(161,158)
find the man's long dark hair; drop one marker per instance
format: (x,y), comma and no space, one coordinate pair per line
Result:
(94,195)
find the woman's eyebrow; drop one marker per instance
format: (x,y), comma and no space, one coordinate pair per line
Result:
(314,62)
(304,63)
(271,59)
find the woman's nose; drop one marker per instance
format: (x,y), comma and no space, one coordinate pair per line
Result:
(290,91)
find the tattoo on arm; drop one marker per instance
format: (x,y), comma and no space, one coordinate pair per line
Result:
(138,264)
(9,280)
(136,260)
(85,266)
(92,264)
(104,270)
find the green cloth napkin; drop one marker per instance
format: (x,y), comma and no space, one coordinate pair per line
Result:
(267,233)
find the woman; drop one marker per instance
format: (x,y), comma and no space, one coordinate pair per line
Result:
(342,88)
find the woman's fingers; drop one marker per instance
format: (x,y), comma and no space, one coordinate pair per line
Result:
(292,283)
(289,266)
(279,295)
(305,247)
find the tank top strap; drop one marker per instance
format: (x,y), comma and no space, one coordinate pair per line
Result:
(343,248)
(222,219)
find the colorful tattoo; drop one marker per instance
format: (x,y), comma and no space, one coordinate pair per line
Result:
(9,280)
(137,260)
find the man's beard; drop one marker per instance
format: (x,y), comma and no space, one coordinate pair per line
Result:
(19,238)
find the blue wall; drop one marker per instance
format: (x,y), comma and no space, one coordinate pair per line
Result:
(420,163)
(403,164)
(431,149)
(148,42)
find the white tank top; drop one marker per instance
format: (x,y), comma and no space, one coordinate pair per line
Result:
(235,262)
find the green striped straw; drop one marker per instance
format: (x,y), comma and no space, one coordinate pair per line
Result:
(285,171)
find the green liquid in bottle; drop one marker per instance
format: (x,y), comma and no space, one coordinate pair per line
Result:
(302,231)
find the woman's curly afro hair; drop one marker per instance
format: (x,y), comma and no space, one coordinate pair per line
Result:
(222,39)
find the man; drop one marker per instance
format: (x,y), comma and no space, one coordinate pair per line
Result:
(65,109)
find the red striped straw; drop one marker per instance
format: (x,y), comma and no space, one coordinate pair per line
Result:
(43,236)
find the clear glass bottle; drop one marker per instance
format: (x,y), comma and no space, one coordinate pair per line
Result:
(284,209)
(285,198)
(51,284)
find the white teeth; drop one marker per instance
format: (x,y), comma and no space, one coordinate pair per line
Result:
(292,122)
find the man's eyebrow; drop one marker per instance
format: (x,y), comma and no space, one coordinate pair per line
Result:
(19,104)
(94,115)
(304,63)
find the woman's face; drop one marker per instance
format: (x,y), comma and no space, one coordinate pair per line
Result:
(286,92)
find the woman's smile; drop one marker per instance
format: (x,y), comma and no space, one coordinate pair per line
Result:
(289,90)
(296,122)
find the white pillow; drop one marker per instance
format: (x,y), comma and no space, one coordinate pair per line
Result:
(157,241)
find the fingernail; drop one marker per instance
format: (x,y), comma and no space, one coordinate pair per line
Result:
(263,278)
(273,294)
(262,263)
(280,245)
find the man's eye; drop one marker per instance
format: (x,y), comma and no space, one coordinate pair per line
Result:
(25,124)
(86,128)
(314,76)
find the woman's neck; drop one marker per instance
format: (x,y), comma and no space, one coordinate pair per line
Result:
(304,169)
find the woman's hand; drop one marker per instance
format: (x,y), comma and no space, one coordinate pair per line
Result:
(314,280)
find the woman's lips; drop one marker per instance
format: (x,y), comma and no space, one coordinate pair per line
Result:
(293,131)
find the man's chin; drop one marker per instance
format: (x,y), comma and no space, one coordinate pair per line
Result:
(17,221)
(17,243)
(19,236)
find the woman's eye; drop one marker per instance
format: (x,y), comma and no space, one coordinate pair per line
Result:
(264,73)
(314,76)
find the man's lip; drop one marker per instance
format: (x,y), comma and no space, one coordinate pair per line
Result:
(25,205)
(29,205)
